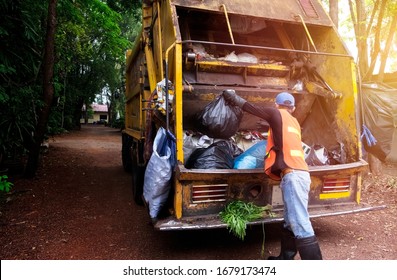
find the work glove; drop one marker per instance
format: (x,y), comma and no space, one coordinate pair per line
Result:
(232,98)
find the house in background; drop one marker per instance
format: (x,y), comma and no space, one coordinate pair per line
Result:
(96,114)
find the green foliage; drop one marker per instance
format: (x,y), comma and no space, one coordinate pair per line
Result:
(92,47)
(20,60)
(16,122)
(118,123)
(238,213)
(92,37)
(5,185)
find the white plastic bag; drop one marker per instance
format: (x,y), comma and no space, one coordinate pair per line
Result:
(246,57)
(231,57)
(158,173)
(189,145)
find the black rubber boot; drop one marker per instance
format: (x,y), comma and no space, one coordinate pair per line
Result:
(288,246)
(309,248)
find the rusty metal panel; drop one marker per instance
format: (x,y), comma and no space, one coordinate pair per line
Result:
(308,8)
(286,10)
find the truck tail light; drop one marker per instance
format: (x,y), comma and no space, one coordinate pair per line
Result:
(335,188)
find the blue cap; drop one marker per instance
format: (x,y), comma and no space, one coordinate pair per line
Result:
(285,99)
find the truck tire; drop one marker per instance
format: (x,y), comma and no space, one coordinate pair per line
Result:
(138,176)
(126,142)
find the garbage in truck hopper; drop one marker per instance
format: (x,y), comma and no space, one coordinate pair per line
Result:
(246,152)
(318,155)
(201,151)
(219,155)
(219,119)
(201,54)
(253,157)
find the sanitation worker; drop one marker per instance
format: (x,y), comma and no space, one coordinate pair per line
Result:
(285,161)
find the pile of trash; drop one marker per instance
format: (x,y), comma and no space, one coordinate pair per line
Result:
(203,152)
(219,145)
(202,54)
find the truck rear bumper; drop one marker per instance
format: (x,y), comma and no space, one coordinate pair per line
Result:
(213,221)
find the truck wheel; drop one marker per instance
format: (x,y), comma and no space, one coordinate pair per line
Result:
(126,142)
(138,176)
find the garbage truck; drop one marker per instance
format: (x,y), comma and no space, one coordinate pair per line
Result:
(187,54)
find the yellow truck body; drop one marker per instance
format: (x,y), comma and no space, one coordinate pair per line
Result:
(298,50)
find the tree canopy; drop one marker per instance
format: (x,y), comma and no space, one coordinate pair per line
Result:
(374,25)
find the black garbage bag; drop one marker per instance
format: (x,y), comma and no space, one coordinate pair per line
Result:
(219,155)
(219,119)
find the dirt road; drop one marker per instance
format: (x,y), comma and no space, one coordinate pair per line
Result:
(80,207)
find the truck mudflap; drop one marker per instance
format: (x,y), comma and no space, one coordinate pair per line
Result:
(214,222)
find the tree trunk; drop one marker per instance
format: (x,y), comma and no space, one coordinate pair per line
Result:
(333,12)
(77,113)
(385,53)
(376,46)
(358,19)
(48,91)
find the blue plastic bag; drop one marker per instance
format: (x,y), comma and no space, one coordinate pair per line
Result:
(252,158)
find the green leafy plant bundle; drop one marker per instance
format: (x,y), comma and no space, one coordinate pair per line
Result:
(238,213)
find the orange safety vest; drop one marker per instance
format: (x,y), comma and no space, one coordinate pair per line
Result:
(292,151)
